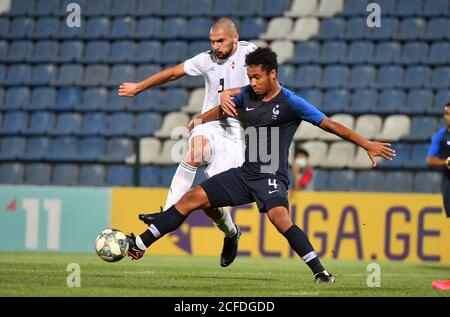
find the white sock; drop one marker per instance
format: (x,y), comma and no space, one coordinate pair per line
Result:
(140,244)
(181,182)
(225,223)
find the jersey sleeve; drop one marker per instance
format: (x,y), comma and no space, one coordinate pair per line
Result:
(239,99)
(435,145)
(194,65)
(306,111)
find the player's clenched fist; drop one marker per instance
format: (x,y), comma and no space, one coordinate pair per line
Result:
(129,89)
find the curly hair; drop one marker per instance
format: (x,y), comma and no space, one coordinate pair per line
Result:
(263,56)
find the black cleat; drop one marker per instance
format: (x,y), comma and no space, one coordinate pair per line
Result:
(324,277)
(133,251)
(229,250)
(148,219)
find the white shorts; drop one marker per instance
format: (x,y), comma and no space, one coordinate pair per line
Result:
(227,145)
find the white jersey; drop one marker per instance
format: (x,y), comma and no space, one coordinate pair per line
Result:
(220,74)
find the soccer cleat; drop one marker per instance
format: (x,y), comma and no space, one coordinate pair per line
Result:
(324,277)
(133,251)
(229,250)
(148,219)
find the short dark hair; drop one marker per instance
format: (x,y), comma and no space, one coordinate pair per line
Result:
(447,104)
(263,56)
(303,151)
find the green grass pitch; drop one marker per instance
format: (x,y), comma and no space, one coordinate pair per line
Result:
(44,274)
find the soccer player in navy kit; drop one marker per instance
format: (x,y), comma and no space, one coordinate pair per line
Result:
(439,153)
(271,114)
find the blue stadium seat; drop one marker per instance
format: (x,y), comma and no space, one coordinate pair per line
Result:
(223,8)
(95,75)
(435,8)
(149,176)
(68,99)
(197,29)
(14,123)
(4,27)
(389,77)
(12,148)
(313,96)
(332,52)
(416,77)
(2,74)
(440,78)
(320,179)
(341,181)
(11,173)
(123,7)
(120,74)
(173,99)
(173,8)
(21,7)
(172,28)
(148,100)
(167,175)
(437,29)
(198,47)
(305,52)
(71,51)
(359,52)
(273,8)
(19,51)
(93,123)
(369,181)
(439,54)
(121,52)
(120,124)
(146,124)
(363,101)
(96,52)
(123,28)
(198,8)
(354,8)
(2,96)
(117,103)
(94,99)
(387,53)
(407,8)
(147,28)
(335,101)
(356,29)
(43,75)
(66,124)
(118,149)
(92,175)
(390,101)
(71,33)
(427,182)
(362,77)
(3,50)
(414,53)
(418,156)
(92,149)
(65,175)
(20,28)
(97,8)
(46,28)
(18,75)
(335,76)
(45,51)
(40,123)
(37,174)
(387,30)
(417,102)
(247,8)
(97,28)
(441,98)
(398,182)
(148,8)
(120,175)
(411,29)
(69,75)
(41,99)
(16,98)
(147,52)
(331,29)
(173,52)
(37,148)
(403,152)
(286,75)
(47,8)
(422,129)
(63,149)
(308,76)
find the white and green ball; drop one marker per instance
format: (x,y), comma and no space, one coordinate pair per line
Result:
(111,245)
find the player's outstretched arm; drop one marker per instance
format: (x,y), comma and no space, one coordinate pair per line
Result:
(160,78)
(373,149)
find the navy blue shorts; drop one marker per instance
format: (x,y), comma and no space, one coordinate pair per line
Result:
(237,187)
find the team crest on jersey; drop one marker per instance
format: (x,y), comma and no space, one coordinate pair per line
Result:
(275,112)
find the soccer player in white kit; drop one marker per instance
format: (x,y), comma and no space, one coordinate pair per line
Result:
(219,144)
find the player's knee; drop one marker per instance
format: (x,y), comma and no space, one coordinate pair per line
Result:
(199,151)
(279,216)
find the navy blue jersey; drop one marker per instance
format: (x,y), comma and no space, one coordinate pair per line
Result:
(440,146)
(270,127)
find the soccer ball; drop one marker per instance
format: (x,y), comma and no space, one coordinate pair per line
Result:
(111,245)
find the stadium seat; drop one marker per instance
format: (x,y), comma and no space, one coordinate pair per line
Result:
(96,28)
(439,54)
(389,77)
(46,8)
(277,28)
(92,175)
(363,101)
(18,75)
(37,174)
(340,181)
(122,51)
(146,124)
(12,148)
(95,75)
(313,96)
(422,129)
(339,155)
(306,131)
(68,99)
(354,8)
(43,75)
(20,28)
(66,124)
(361,160)
(147,52)
(69,75)
(117,103)
(3,70)
(147,28)
(418,156)
(411,29)
(403,155)
(223,8)
(329,8)
(335,76)
(92,149)
(387,53)
(120,124)
(197,47)
(274,8)
(305,52)
(398,182)
(335,101)
(37,148)
(65,175)
(414,53)
(301,8)
(303,29)
(21,7)
(331,29)
(14,122)
(332,52)
(93,124)
(435,8)
(437,29)
(416,77)
(173,52)
(19,51)
(173,122)
(251,28)
(149,151)
(317,151)
(40,123)
(387,30)
(195,8)
(368,125)
(388,7)
(4,26)
(395,126)
(119,175)
(197,29)
(286,75)
(63,149)
(356,29)
(195,103)
(172,28)
(441,98)
(172,100)
(247,8)
(417,102)
(120,74)
(147,100)
(123,7)
(70,51)
(308,76)
(94,99)
(149,176)
(167,174)
(96,52)
(359,52)
(407,8)
(46,28)
(427,182)
(16,98)
(45,51)
(168,156)
(369,181)
(320,179)
(283,49)
(118,149)
(440,78)
(97,8)
(11,173)
(3,50)
(362,77)
(344,119)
